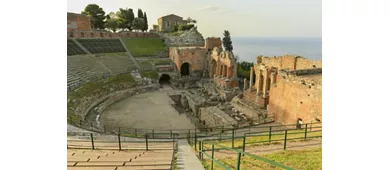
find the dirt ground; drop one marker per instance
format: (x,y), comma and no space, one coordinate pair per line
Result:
(150,110)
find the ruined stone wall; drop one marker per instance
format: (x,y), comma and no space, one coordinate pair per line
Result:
(296,97)
(212,42)
(290,62)
(195,56)
(83,108)
(78,22)
(251,110)
(213,116)
(106,34)
(189,38)
(303,63)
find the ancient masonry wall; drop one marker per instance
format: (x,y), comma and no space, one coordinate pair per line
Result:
(290,62)
(251,110)
(195,56)
(78,22)
(296,97)
(212,42)
(84,108)
(213,116)
(106,34)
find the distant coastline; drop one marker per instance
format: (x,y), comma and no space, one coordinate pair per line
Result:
(248,48)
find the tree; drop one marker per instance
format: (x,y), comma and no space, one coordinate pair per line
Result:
(243,69)
(140,13)
(146,22)
(112,24)
(191,21)
(96,14)
(155,27)
(112,15)
(125,18)
(227,42)
(138,24)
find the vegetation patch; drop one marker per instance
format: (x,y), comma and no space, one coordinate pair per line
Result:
(146,65)
(89,89)
(161,62)
(308,159)
(144,47)
(276,138)
(150,74)
(111,54)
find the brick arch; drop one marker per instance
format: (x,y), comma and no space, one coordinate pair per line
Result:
(185,68)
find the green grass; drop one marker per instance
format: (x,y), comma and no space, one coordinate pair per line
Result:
(93,88)
(161,62)
(144,47)
(150,74)
(309,159)
(263,140)
(174,33)
(146,65)
(175,162)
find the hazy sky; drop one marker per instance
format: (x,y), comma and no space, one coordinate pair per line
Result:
(260,18)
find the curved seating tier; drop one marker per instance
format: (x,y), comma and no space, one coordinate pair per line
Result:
(102,45)
(82,68)
(74,49)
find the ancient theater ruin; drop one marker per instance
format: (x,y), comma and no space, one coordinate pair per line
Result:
(170,88)
(287,88)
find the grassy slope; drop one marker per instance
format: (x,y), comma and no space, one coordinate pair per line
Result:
(310,159)
(258,140)
(92,88)
(144,47)
(150,74)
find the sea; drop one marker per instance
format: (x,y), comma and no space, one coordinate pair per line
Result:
(248,48)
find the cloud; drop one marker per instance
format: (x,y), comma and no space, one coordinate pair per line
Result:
(209,8)
(225,11)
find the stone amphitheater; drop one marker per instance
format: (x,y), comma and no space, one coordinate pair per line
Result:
(143,113)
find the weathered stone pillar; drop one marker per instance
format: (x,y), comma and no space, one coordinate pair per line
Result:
(265,83)
(229,72)
(258,84)
(223,71)
(273,77)
(217,69)
(245,83)
(251,79)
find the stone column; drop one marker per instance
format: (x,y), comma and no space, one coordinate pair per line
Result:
(258,84)
(217,69)
(245,83)
(251,79)
(265,83)
(229,72)
(223,71)
(273,77)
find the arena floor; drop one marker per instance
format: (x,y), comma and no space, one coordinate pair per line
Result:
(150,110)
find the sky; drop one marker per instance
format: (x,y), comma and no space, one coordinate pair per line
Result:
(243,18)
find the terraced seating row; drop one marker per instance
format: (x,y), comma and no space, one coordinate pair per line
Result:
(82,68)
(74,49)
(117,64)
(102,45)
(81,159)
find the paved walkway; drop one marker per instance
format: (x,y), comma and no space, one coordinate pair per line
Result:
(186,158)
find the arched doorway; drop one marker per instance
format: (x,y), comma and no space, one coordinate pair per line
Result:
(164,79)
(213,68)
(185,69)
